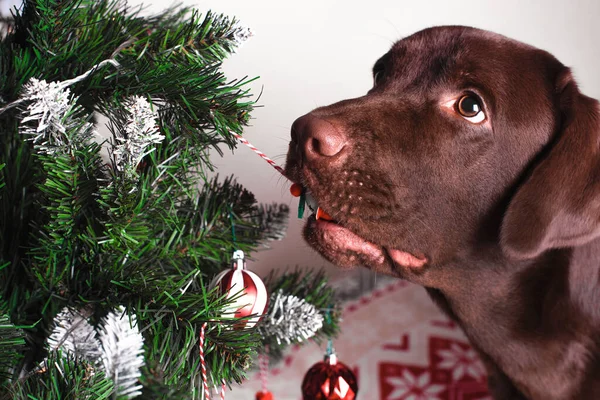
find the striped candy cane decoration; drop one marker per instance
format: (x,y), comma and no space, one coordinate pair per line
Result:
(263,362)
(260,153)
(203,367)
(203,363)
(264,370)
(223,389)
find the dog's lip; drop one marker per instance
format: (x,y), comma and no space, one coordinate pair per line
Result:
(344,239)
(341,238)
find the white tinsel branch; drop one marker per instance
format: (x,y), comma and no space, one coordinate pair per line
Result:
(139,132)
(53,107)
(73,333)
(242,34)
(55,110)
(65,84)
(290,319)
(50,103)
(122,356)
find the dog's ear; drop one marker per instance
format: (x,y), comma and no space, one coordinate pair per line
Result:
(558,205)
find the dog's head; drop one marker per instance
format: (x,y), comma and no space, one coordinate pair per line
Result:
(466,139)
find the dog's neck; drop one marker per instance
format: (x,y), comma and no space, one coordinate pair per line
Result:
(535,305)
(561,279)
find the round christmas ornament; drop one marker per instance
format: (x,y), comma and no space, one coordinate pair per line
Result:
(246,288)
(329,380)
(264,396)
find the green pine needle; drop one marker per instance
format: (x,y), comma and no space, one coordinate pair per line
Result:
(12,344)
(62,377)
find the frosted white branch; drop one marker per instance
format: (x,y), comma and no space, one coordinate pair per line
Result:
(242,34)
(53,108)
(50,103)
(122,357)
(73,333)
(62,85)
(290,319)
(140,132)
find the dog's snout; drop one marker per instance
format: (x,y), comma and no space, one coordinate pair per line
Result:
(318,138)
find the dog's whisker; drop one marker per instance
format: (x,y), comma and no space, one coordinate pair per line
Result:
(392,40)
(423,223)
(279,157)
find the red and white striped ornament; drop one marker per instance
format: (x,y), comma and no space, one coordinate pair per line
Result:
(247,289)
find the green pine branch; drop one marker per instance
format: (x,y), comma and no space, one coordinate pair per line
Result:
(12,344)
(70,214)
(18,196)
(180,46)
(61,376)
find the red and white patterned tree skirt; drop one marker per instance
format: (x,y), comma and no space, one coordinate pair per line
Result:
(400,346)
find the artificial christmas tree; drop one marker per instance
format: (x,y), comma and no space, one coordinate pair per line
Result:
(107,247)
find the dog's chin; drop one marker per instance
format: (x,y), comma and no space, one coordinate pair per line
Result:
(346,249)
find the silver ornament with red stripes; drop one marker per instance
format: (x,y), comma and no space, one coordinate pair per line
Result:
(246,291)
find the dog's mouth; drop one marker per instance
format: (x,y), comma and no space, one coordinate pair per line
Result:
(345,248)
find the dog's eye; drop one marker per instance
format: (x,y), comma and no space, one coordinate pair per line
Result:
(469,106)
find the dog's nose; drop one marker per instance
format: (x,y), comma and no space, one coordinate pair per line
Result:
(318,138)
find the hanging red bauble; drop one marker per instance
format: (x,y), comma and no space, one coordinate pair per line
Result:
(329,380)
(247,289)
(264,396)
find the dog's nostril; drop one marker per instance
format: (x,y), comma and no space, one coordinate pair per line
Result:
(326,145)
(320,137)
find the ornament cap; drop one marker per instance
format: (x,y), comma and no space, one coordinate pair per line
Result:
(238,260)
(311,202)
(330,359)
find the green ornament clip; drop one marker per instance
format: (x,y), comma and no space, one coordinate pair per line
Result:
(302,204)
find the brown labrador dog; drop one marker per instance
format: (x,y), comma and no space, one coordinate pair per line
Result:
(472,168)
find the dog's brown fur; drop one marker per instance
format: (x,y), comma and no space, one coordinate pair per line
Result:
(506,212)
